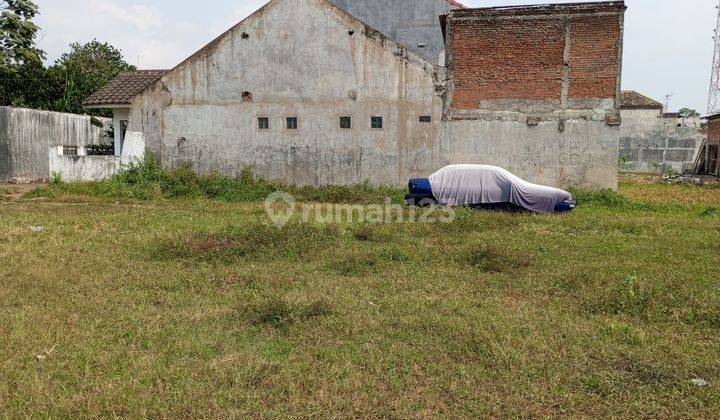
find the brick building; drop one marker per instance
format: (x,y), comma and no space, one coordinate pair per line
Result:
(711,153)
(533,89)
(538,89)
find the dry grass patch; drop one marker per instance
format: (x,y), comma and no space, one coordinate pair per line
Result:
(201,308)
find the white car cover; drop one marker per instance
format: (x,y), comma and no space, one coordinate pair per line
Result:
(459,185)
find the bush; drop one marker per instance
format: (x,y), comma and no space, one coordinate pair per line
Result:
(147,180)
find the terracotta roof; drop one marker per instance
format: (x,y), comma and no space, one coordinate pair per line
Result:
(454,3)
(631,99)
(121,90)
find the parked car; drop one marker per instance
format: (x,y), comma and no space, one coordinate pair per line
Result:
(486,187)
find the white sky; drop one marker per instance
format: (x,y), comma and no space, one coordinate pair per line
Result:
(668,43)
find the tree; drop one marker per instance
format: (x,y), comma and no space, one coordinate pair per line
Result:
(82,71)
(17,33)
(29,85)
(688,113)
(23,80)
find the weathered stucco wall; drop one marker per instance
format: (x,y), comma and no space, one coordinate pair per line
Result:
(409,22)
(310,60)
(306,59)
(93,168)
(651,143)
(26,134)
(583,154)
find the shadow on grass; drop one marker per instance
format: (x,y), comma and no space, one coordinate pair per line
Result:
(280,314)
(493,259)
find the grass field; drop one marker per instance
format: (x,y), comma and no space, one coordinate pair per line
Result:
(198,307)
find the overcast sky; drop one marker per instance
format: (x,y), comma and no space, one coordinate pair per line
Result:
(668,43)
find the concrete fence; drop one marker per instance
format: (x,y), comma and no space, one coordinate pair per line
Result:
(93,168)
(26,134)
(652,143)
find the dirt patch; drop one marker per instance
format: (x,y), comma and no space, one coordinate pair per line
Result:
(15,191)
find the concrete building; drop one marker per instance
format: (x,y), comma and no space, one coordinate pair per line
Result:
(413,23)
(536,89)
(533,89)
(117,95)
(654,141)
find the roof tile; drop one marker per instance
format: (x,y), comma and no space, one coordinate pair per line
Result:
(631,99)
(124,87)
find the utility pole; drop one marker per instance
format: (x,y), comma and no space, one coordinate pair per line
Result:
(667,101)
(714,96)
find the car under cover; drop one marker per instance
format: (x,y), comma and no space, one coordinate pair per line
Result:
(462,185)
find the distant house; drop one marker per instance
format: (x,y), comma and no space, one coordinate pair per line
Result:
(652,140)
(117,96)
(304,91)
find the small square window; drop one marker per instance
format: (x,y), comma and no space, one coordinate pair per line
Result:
(345,122)
(70,150)
(376,122)
(292,123)
(264,123)
(425,119)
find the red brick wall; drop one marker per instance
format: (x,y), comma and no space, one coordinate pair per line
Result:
(594,49)
(521,56)
(506,60)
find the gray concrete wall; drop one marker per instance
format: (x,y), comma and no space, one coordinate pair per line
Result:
(650,143)
(410,22)
(305,64)
(26,134)
(583,152)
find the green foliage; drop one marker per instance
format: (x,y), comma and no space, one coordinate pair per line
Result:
(84,70)
(146,180)
(606,198)
(28,85)
(56,178)
(628,297)
(623,163)
(709,212)
(278,313)
(688,113)
(18,32)
(26,82)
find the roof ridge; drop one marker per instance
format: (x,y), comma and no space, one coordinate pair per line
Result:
(270,4)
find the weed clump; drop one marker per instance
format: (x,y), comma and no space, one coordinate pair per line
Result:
(356,265)
(371,232)
(395,255)
(628,297)
(252,241)
(278,313)
(609,199)
(146,180)
(493,259)
(709,212)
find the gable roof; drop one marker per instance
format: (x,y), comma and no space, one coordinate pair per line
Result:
(634,100)
(454,3)
(212,45)
(120,90)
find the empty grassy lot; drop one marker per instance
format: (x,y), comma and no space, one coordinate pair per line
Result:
(197,307)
